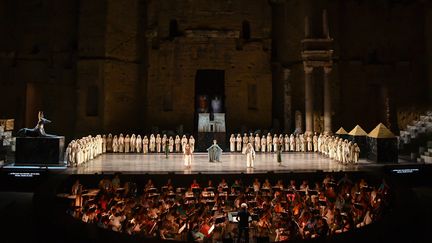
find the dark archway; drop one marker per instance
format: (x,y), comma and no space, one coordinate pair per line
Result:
(246,30)
(173,29)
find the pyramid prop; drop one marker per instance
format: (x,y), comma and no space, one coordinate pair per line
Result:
(357,131)
(381,131)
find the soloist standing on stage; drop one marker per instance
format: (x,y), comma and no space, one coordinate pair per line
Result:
(187,155)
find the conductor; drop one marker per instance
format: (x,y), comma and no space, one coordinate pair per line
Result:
(243,223)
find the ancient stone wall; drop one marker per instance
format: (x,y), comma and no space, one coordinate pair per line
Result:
(208,36)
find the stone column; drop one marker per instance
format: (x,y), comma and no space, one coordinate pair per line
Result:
(327,101)
(287,99)
(309,101)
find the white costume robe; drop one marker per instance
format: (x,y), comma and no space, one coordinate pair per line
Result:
(356,153)
(269,143)
(163,142)
(138,144)
(263,144)
(275,143)
(171,144)
(281,142)
(245,141)
(177,143)
(309,143)
(115,144)
(232,143)
(158,141)
(287,143)
(133,143)
(315,143)
(250,156)
(121,144)
(104,144)
(239,143)
(127,144)
(146,145)
(152,144)
(292,143)
(257,143)
(252,141)
(187,156)
(184,141)
(192,143)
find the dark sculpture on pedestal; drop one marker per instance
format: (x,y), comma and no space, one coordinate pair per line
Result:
(34,146)
(38,131)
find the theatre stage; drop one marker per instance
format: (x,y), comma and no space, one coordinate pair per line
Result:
(230,163)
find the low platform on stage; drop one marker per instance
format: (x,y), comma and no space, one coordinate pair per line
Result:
(39,150)
(230,163)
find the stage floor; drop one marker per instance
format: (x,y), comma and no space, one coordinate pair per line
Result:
(230,163)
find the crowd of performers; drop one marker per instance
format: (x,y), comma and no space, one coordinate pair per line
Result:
(81,150)
(278,211)
(77,150)
(336,148)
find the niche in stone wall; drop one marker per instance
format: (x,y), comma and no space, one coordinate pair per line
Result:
(252,97)
(173,29)
(246,30)
(92,101)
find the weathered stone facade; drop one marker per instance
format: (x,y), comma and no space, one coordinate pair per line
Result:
(209,37)
(107,65)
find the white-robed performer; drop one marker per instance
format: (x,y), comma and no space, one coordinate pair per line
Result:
(171,144)
(121,143)
(192,143)
(184,141)
(232,143)
(263,144)
(309,143)
(158,143)
(250,155)
(177,143)
(252,140)
(287,143)
(164,142)
(275,143)
(127,143)
(146,144)
(245,140)
(269,142)
(281,142)
(152,144)
(302,143)
(292,143)
(133,143)
(257,142)
(356,153)
(239,143)
(138,144)
(315,142)
(109,143)
(104,144)
(320,138)
(187,152)
(115,144)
